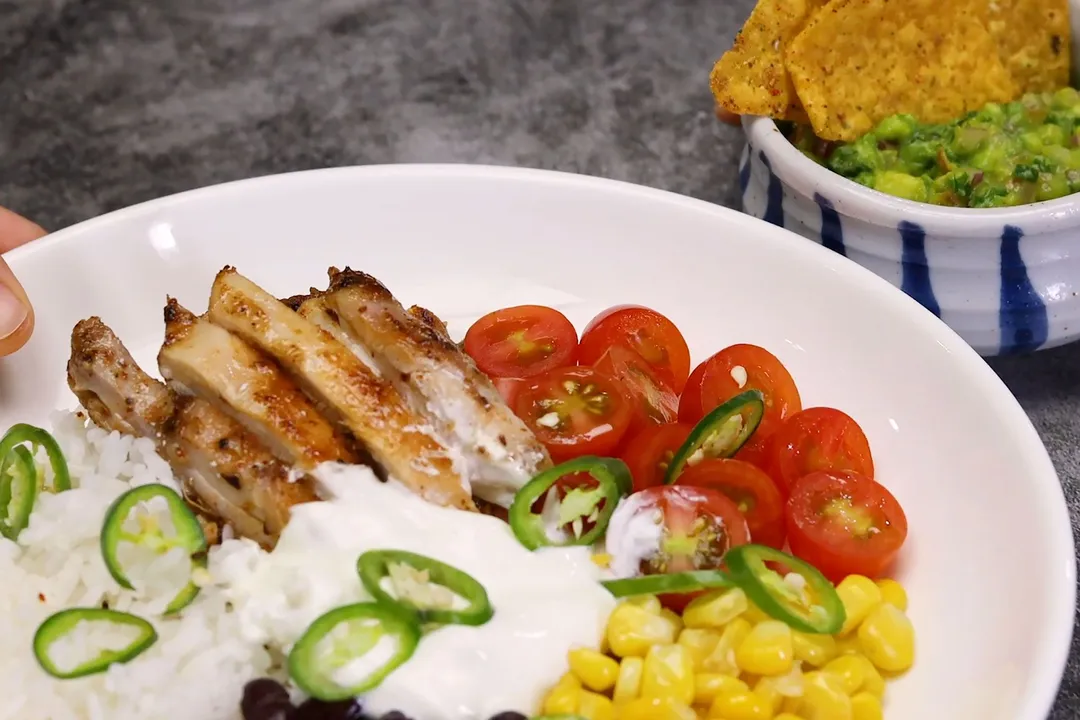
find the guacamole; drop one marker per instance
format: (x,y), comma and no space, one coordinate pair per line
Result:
(1004,154)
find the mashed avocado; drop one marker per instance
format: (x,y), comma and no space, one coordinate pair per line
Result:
(1012,154)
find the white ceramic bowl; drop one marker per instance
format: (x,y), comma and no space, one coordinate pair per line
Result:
(1006,280)
(989,563)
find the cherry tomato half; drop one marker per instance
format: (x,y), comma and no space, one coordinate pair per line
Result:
(752,491)
(508,388)
(575,411)
(654,402)
(646,332)
(690,402)
(818,438)
(649,452)
(843,523)
(522,341)
(738,368)
(697,526)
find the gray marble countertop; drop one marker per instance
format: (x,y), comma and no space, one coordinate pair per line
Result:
(106,103)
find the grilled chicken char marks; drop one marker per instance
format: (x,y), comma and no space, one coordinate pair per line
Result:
(342,386)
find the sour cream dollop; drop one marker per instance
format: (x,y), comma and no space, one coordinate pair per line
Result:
(546,602)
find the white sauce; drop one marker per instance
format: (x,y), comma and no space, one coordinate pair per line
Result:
(545,602)
(738,374)
(632,536)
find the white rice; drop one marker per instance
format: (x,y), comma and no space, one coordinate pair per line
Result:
(200,662)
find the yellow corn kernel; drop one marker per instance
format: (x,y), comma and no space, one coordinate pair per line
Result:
(656,709)
(824,698)
(594,706)
(865,706)
(787,716)
(893,593)
(873,683)
(754,614)
(632,630)
(813,649)
(887,638)
(708,685)
(767,649)
(848,645)
(668,672)
(646,602)
(699,643)
(779,687)
(675,619)
(769,693)
(851,671)
(628,683)
(746,705)
(602,560)
(722,658)
(564,697)
(860,596)
(791,705)
(715,609)
(596,671)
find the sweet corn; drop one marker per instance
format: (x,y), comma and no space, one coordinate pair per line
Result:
(779,687)
(722,658)
(888,639)
(767,649)
(668,672)
(768,692)
(632,630)
(651,603)
(744,705)
(850,670)
(848,645)
(814,650)
(865,706)
(595,670)
(787,716)
(754,614)
(708,685)
(594,706)
(699,643)
(628,683)
(675,619)
(893,593)
(860,596)
(715,609)
(873,683)
(656,709)
(564,697)
(824,698)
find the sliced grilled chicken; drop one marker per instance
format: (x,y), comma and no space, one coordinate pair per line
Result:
(207,361)
(413,350)
(343,387)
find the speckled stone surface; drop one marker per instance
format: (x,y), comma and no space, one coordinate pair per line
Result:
(105,103)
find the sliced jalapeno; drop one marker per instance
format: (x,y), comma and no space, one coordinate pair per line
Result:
(22,433)
(352,649)
(810,606)
(425,586)
(188,535)
(59,628)
(18,491)
(720,434)
(580,505)
(674,583)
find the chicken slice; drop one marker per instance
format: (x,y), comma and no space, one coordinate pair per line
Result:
(204,360)
(413,350)
(342,385)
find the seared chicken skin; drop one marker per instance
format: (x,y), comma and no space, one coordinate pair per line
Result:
(343,386)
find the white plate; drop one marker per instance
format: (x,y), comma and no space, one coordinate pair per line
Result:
(989,563)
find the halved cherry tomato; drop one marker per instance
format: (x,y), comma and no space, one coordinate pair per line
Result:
(756,452)
(690,410)
(575,411)
(695,529)
(654,402)
(522,341)
(750,489)
(844,523)
(646,332)
(648,452)
(508,388)
(819,438)
(739,368)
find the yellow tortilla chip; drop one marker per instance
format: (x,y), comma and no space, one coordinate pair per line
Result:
(750,79)
(859,61)
(1033,39)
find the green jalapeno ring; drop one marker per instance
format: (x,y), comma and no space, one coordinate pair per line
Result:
(707,434)
(21,433)
(669,583)
(770,592)
(613,483)
(312,669)
(374,565)
(56,626)
(19,476)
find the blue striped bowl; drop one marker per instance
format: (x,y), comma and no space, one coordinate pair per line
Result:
(1005,279)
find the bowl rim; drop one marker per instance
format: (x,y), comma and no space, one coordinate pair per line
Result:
(877,208)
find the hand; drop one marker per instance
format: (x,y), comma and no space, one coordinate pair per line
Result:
(16,314)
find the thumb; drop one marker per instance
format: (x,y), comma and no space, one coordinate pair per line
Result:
(16,313)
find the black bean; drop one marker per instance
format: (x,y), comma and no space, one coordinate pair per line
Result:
(265,699)
(313,709)
(509,715)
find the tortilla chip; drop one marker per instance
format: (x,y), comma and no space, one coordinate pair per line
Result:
(750,79)
(1034,40)
(859,61)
